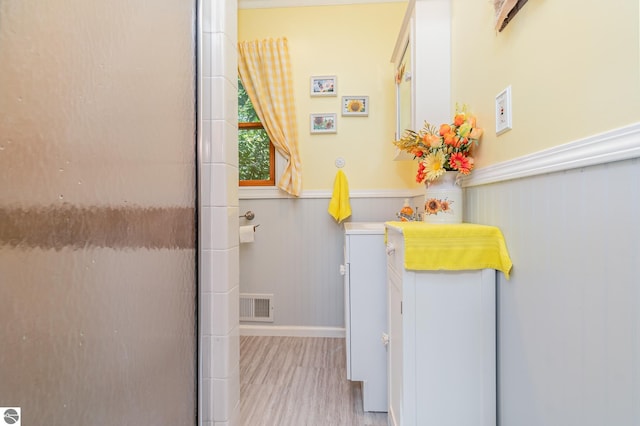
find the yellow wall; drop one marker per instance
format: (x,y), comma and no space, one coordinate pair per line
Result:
(355,43)
(574,69)
(573,66)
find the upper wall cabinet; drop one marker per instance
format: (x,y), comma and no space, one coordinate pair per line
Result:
(422,58)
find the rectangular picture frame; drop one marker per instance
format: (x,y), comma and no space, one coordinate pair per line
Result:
(323,123)
(324,85)
(355,106)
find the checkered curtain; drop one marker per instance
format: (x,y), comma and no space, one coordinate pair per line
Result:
(265,72)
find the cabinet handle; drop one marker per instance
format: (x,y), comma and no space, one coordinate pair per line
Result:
(390,249)
(385,339)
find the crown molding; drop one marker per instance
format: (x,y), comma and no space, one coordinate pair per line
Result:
(268,4)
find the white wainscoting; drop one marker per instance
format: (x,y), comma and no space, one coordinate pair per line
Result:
(296,256)
(569,317)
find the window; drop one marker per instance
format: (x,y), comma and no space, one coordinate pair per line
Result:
(256,153)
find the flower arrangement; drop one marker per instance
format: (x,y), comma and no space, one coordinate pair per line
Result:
(447,148)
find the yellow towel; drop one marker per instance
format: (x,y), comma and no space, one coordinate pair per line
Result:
(339,206)
(453,247)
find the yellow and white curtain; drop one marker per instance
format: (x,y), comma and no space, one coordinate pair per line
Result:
(265,71)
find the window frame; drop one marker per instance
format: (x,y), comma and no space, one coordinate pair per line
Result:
(244,125)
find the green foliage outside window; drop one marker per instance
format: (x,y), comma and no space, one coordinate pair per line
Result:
(246,112)
(254,155)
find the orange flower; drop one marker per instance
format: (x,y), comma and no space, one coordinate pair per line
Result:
(460,162)
(451,139)
(475,133)
(432,141)
(447,147)
(421,175)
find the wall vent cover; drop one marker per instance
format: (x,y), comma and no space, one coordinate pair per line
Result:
(256,307)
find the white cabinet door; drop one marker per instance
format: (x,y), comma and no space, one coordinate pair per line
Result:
(455,348)
(394,366)
(442,357)
(366,314)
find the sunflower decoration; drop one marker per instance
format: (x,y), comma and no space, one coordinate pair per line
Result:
(432,206)
(355,105)
(445,205)
(437,205)
(445,148)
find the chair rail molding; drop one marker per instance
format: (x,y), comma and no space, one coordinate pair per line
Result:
(615,145)
(255,193)
(265,4)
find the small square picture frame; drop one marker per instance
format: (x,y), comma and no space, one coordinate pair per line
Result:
(355,106)
(323,123)
(324,85)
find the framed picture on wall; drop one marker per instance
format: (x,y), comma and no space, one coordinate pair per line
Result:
(325,85)
(355,105)
(323,123)
(505,10)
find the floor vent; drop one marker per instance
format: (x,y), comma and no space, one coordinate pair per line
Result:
(256,307)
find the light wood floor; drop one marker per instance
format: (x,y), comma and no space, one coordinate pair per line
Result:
(299,381)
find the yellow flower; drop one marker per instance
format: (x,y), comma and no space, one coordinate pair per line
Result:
(442,148)
(355,105)
(434,165)
(464,129)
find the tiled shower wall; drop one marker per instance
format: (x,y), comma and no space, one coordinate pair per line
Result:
(218,174)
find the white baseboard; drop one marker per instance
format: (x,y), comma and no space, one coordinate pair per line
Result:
(290,331)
